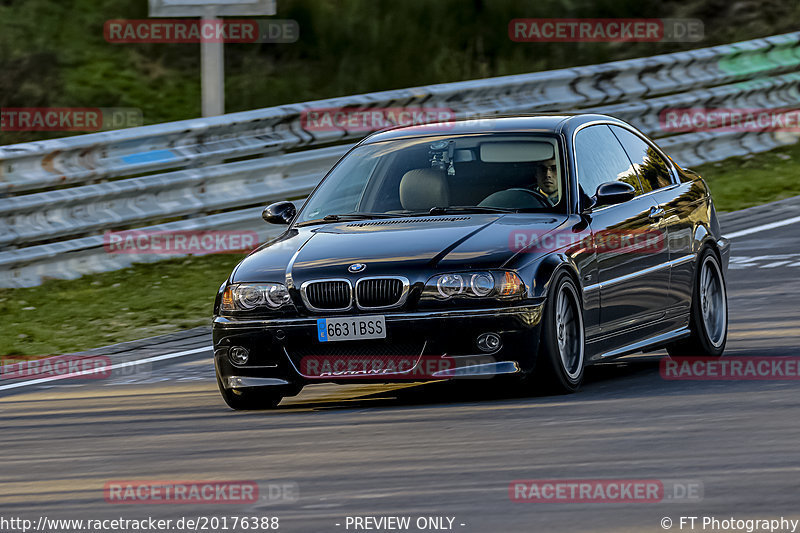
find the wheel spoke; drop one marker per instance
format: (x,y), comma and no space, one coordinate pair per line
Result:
(703,277)
(713,302)
(568,331)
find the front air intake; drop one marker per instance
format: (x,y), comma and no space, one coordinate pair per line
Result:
(379,293)
(327,295)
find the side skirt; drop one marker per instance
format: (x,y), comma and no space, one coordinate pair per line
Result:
(651,343)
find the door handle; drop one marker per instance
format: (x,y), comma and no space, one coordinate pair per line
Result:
(657,212)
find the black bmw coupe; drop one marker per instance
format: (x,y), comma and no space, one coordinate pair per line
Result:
(526,246)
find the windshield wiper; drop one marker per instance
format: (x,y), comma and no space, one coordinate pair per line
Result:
(360,216)
(350,216)
(469,209)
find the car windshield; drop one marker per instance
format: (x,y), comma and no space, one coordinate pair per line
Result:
(437,175)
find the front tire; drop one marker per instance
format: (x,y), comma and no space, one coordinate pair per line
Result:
(708,321)
(249,399)
(561,358)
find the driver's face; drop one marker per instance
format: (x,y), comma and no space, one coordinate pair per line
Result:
(546,177)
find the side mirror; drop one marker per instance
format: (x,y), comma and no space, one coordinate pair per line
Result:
(613,192)
(279,213)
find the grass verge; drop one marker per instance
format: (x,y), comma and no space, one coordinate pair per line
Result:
(63,316)
(754,179)
(155,298)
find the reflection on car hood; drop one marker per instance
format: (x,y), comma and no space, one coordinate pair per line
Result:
(392,246)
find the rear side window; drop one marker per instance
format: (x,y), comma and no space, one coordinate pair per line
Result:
(600,158)
(652,168)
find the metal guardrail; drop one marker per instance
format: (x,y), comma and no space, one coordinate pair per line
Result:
(60,195)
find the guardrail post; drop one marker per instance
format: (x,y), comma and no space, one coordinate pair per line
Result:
(212,58)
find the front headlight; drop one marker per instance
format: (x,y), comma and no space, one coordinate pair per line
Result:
(493,284)
(248,296)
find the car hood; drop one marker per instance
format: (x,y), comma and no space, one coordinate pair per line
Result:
(392,246)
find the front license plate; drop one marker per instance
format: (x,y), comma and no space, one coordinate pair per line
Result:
(351,329)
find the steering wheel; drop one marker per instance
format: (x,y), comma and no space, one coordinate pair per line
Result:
(511,198)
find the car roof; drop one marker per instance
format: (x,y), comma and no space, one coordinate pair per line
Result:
(530,123)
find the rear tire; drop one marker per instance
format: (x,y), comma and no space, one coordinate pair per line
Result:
(561,358)
(249,399)
(708,321)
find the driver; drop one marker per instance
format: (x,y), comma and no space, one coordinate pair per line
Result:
(547,180)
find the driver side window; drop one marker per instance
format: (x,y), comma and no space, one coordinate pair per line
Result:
(600,158)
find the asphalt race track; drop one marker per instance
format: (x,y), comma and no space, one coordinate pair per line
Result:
(443,449)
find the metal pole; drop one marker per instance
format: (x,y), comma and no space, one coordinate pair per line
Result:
(212,64)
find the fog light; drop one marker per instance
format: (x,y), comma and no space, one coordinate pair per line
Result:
(238,355)
(489,342)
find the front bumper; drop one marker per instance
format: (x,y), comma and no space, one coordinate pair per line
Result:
(277,345)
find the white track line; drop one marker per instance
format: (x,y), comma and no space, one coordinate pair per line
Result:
(107,367)
(762,228)
(775,264)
